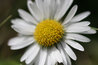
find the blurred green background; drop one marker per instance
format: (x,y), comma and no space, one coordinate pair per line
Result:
(9,57)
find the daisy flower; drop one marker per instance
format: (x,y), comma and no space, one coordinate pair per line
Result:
(47,35)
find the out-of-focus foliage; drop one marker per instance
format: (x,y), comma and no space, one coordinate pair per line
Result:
(9,57)
(8,62)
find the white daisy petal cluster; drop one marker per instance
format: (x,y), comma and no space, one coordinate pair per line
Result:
(41,10)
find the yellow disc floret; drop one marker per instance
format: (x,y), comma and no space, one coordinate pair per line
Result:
(48,32)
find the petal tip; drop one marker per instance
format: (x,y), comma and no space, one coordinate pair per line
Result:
(88,12)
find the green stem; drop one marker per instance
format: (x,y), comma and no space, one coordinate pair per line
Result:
(5,20)
(94,28)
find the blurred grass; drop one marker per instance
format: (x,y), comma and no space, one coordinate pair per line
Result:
(3,22)
(9,62)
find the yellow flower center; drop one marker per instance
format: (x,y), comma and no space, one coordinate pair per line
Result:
(48,32)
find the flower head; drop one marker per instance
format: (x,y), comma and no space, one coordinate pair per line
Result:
(48,36)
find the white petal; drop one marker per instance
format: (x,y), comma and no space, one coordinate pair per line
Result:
(77,37)
(54,8)
(24,42)
(33,55)
(68,60)
(63,10)
(22,27)
(43,56)
(58,2)
(49,59)
(91,31)
(80,16)
(82,23)
(78,24)
(70,14)
(35,11)
(74,45)
(56,55)
(28,52)
(26,16)
(39,4)
(47,8)
(16,40)
(47,2)
(19,40)
(30,64)
(63,54)
(77,29)
(23,30)
(69,51)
